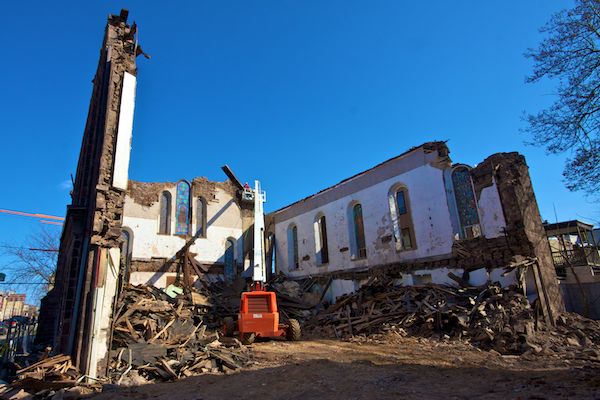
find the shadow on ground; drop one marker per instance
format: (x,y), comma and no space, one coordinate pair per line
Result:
(327,379)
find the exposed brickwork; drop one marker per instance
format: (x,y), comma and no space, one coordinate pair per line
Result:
(93,221)
(523,220)
(147,193)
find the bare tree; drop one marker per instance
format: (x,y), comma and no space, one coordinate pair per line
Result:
(570,53)
(34,262)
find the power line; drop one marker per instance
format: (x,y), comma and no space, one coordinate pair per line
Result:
(35,215)
(29,248)
(43,221)
(23,283)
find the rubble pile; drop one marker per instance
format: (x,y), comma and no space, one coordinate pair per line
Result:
(490,317)
(156,337)
(296,299)
(45,379)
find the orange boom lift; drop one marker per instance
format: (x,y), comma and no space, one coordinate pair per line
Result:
(258,316)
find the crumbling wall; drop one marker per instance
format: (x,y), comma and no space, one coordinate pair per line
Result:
(93,221)
(147,193)
(513,234)
(510,173)
(109,200)
(153,252)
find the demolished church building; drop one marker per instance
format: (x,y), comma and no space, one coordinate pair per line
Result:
(423,219)
(419,216)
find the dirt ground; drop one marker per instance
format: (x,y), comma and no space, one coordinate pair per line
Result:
(396,368)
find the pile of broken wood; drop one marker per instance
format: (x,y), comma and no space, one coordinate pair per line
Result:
(490,316)
(45,378)
(156,337)
(299,299)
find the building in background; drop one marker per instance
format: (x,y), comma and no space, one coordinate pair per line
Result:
(12,305)
(576,258)
(31,311)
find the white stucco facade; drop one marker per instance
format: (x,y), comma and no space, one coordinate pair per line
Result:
(435,216)
(430,216)
(223,223)
(490,212)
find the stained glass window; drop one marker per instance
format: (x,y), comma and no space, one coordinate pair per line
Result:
(465,199)
(182,206)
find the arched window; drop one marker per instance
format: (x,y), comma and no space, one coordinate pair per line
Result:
(164,226)
(201,217)
(230,272)
(402,225)
(322,250)
(358,243)
(293,247)
(182,209)
(466,204)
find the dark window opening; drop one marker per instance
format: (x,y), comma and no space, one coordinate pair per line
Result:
(165,214)
(295,261)
(359,231)
(201,218)
(324,251)
(401,202)
(406,239)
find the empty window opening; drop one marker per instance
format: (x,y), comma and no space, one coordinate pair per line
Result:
(165,214)
(322,250)
(270,255)
(359,245)
(293,247)
(201,217)
(401,202)
(230,271)
(402,224)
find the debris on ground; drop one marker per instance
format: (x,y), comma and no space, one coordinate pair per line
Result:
(299,299)
(47,378)
(489,317)
(164,335)
(157,337)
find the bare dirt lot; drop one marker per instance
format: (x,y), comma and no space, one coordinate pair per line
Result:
(395,368)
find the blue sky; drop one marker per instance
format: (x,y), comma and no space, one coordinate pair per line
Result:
(300,94)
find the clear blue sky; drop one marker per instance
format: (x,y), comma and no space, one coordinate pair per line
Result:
(299,94)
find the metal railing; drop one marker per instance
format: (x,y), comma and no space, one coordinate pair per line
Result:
(19,338)
(576,257)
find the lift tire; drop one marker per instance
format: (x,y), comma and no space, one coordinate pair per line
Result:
(229,326)
(248,338)
(294,332)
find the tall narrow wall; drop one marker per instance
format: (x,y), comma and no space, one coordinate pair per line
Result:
(92,227)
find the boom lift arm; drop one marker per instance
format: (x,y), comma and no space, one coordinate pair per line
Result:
(258,315)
